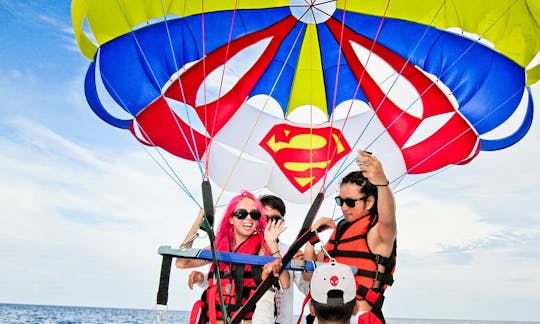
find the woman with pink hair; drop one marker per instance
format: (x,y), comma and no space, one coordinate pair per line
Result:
(242,230)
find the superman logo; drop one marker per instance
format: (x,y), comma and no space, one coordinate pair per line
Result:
(304,154)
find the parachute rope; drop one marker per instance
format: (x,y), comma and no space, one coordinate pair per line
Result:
(149,68)
(192,148)
(258,117)
(340,169)
(347,164)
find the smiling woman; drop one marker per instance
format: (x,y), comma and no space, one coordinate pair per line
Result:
(242,230)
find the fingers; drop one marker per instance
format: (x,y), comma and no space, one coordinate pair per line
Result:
(278,226)
(325,221)
(370,167)
(194,278)
(299,255)
(273,267)
(190,281)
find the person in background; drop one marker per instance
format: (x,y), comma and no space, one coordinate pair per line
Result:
(242,230)
(276,305)
(333,294)
(366,237)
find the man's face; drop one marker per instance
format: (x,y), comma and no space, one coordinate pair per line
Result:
(351,192)
(272,214)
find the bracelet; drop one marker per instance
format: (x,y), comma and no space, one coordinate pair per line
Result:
(275,252)
(382,185)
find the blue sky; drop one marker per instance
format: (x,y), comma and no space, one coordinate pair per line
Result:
(83,209)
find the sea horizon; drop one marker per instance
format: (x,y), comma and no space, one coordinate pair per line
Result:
(15,313)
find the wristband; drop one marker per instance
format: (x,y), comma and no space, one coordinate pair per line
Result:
(275,252)
(382,185)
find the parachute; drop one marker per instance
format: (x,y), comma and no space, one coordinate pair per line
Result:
(280,94)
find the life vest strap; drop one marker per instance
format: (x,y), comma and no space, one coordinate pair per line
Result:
(388,263)
(347,240)
(239,285)
(196,312)
(374,298)
(352,254)
(383,277)
(211,298)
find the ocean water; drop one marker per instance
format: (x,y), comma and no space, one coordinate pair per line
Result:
(42,314)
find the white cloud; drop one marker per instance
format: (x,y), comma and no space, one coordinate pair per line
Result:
(70,214)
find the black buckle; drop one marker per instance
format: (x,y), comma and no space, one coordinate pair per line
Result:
(379,259)
(378,276)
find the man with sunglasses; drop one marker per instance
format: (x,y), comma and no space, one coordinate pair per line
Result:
(366,237)
(276,305)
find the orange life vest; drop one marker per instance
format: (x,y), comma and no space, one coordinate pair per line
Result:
(348,245)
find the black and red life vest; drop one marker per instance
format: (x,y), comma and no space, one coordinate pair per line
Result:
(239,282)
(348,245)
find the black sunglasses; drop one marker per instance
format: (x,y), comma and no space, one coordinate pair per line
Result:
(274,218)
(242,214)
(348,201)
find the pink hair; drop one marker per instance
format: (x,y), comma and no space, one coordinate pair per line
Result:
(225,240)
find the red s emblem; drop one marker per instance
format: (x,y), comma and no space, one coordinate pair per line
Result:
(304,154)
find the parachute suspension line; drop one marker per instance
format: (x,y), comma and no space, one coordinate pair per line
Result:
(459,135)
(203,44)
(173,175)
(206,187)
(386,94)
(220,89)
(341,167)
(421,179)
(156,83)
(208,226)
(330,155)
(450,66)
(429,87)
(140,50)
(259,116)
(192,148)
(170,172)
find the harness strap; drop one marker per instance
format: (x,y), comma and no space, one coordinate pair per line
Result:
(306,300)
(374,298)
(238,284)
(388,263)
(383,277)
(196,312)
(163,290)
(211,298)
(346,240)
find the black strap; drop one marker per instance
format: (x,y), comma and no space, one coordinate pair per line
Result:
(347,240)
(373,297)
(163,290)
(382,277)
(388,263)
(238,284)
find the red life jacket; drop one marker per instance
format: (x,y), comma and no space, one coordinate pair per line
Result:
(348,245)
(239,282)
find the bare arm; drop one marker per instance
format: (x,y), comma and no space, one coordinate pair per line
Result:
(386,229)
(192,263)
